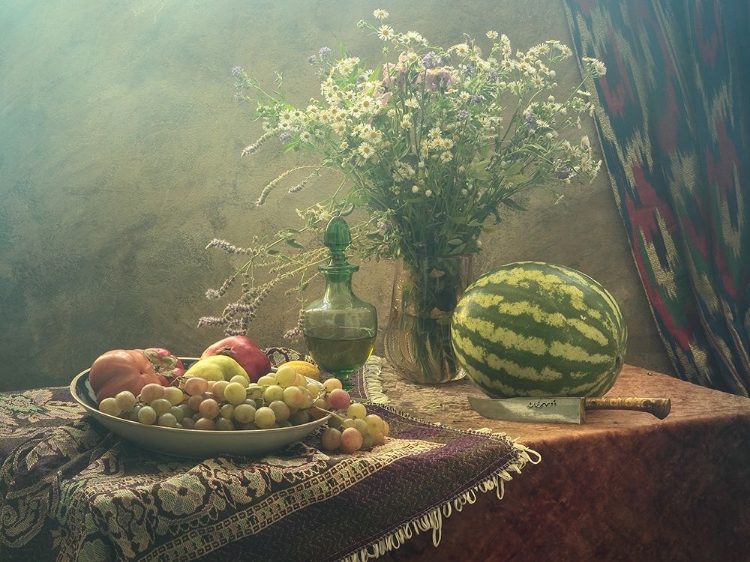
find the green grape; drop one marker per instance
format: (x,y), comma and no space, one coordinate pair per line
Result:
(167,420)
(240,379)
(174,395)
(161,406)
(313,389)
(331,384)
(273,393)
(267,380)
(293,396)
(330,439)
(224,424)
(299,417)
(347,423)
(265,418)
(109,406)
(151,392)
(374,423)
(280,410)
(187,411)
(367,441)
(187,422)
(356,410)
(286,376)
(146,415)
(178,413)
(227,411)
(244,413)
(361,426)
(386,428)
(235,393)
(125,400)
(218,390)
(378,439)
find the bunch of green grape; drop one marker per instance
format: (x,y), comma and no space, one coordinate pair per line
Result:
(280,399)
(357,430)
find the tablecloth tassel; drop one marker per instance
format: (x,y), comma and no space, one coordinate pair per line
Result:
(433,519)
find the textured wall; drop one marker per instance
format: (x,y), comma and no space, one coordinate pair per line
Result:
(119,161)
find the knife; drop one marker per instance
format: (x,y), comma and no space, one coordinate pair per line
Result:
(563,409)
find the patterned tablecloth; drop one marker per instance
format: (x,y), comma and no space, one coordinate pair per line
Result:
(71,490)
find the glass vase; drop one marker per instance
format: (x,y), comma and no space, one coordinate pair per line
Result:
(417,339)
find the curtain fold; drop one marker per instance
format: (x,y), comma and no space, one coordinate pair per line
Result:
(672,120)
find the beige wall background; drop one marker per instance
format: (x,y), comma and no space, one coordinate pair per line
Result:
(120,159)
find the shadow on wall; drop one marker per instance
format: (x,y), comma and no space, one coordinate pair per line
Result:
(119,161)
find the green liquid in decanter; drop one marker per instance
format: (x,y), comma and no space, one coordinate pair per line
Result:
(340,350)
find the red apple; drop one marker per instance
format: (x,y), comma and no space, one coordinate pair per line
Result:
(243,350)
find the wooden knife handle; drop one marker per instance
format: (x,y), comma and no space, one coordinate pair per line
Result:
(658,407)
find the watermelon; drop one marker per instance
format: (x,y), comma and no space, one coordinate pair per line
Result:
(538,329)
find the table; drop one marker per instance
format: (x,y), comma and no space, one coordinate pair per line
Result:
(624,486)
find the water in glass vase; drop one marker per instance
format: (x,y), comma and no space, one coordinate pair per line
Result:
(340,350)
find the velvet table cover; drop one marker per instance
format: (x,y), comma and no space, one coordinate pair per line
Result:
(624,486)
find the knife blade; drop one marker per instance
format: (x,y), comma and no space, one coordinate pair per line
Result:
(563,409)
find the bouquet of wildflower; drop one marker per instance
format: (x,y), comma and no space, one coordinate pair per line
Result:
(433,142)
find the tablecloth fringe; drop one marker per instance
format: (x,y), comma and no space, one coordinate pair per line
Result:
(373,381)
(433,519)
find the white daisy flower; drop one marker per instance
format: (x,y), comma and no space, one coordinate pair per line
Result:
(385,33)
(365,150)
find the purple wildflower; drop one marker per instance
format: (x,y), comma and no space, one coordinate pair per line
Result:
(531,121)
(462,115)
(285,137)
(236,71)
(312,59)
(384,226)
(324,52)
(431,60)
(561,171)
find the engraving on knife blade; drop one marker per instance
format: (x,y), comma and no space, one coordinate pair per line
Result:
(541,403)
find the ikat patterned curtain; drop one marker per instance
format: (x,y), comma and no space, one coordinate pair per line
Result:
(673,124)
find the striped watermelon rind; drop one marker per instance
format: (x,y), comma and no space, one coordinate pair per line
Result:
(538,329)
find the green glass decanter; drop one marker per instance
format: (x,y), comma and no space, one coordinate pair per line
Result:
(339,328)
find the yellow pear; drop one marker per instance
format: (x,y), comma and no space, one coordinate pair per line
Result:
(216,368)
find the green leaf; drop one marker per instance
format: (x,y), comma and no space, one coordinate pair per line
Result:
(455,241)
(518,178)
(293,243)
(514,169)
(514,205)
